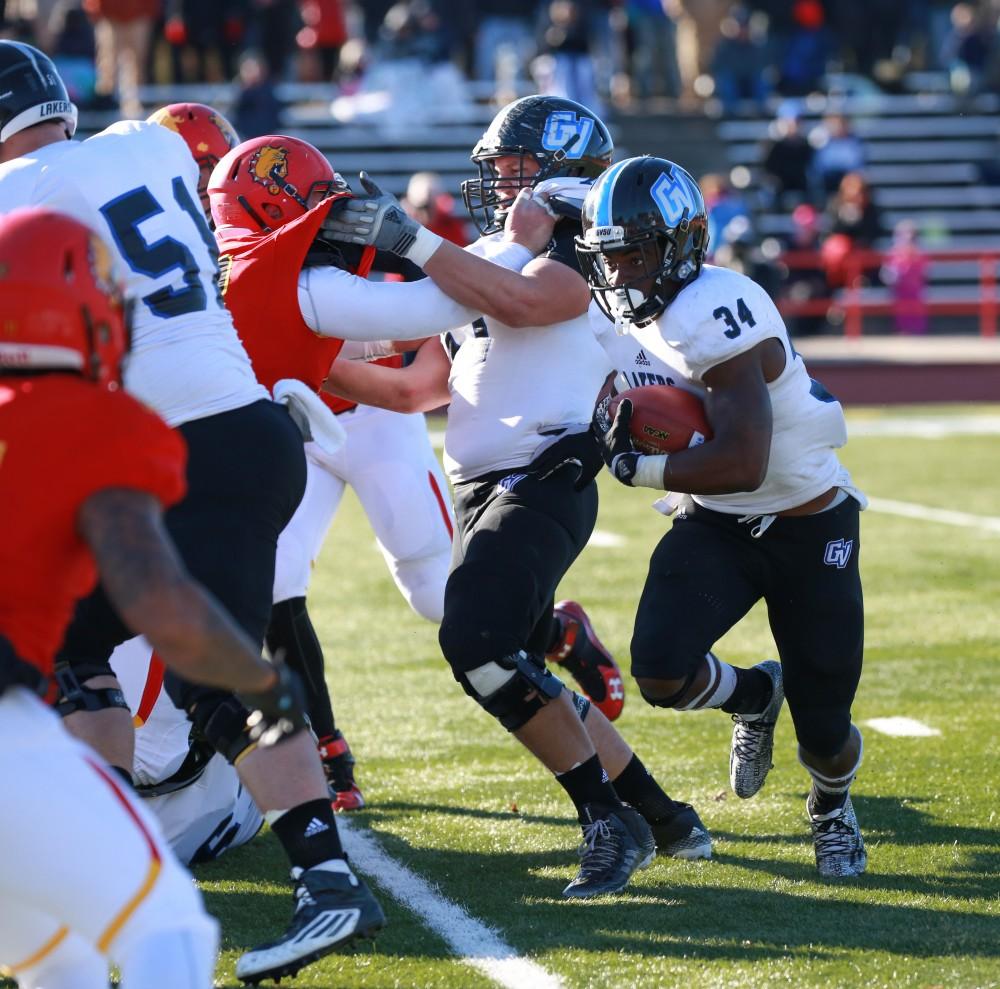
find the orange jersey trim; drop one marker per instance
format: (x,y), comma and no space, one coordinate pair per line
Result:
(43,952)
(155,864)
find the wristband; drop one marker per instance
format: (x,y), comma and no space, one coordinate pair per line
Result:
(425,244)
(649,471)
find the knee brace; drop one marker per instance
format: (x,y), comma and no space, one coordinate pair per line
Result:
(222,721)
(513,689)
(73,696)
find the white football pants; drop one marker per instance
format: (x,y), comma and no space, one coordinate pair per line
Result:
(85,875)
(389,462)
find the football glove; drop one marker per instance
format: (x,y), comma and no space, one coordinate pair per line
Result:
(278,712)
(621,458)
(381,222)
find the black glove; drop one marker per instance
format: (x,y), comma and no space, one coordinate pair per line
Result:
(619,455)
(280,711)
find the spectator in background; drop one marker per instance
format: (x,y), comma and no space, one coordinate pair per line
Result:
(652,27)
(73,52)
(412,30)
(787,159)
(256,109)
(740,251)
(966,48)
(805,280)
(319,40)
(430,205)
(838,151)
(699,28)
(723,205)
(563,67)
(740,62)
(122,30)
(808,47)
(905,272)
(271,27)
(854,224)
(204,38)
(505,41)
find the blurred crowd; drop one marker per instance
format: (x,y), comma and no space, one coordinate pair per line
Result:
(814,176)
(600,52)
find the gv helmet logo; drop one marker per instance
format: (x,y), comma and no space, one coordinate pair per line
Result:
(561,127)
(673,198)
(268,165)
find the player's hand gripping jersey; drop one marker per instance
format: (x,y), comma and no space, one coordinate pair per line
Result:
(61,441)
(718,316)
(136,184)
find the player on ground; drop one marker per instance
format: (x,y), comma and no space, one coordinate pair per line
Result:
(772,513)
(136,183)
(106,887)
(520,381)
(270,197)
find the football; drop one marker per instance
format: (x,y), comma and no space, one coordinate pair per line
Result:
(665,419)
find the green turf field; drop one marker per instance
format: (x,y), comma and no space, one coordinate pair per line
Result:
(459,803)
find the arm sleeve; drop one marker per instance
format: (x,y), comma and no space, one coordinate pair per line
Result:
(337,304)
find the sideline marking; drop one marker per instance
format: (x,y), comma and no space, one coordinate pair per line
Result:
(901,727)
(470,939)
(985,523)
(603,539)
(926,427)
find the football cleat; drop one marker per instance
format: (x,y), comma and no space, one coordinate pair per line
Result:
(616,842)
(840,849)
(332,908)
(588,662)
(338,765)
(682,836)
(753,738)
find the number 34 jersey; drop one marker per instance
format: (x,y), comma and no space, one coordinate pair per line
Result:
(717,317)
(136,185)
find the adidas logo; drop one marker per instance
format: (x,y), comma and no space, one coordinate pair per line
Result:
(315,827)
(642,360)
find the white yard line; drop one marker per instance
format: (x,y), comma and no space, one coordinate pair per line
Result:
(947,516)
(474,943)
(925,427)
(605,540)
(901,727)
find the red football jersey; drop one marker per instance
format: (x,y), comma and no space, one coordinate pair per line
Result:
(61,440)
(260,283)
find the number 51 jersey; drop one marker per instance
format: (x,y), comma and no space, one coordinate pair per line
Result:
(136,185)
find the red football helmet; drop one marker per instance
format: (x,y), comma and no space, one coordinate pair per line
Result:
(269,181)
(206,132)
(60,305)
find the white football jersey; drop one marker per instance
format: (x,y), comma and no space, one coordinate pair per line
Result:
(718,316)
(136,185)
(516,390)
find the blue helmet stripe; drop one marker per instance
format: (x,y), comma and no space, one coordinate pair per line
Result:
(602,215)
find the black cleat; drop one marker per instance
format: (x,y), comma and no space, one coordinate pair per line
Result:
(682,835)
(332,908)
(616,842)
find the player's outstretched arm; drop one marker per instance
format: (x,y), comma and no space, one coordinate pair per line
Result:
(146,582)
(541,293)
(418,387)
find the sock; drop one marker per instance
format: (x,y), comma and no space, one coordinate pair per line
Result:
(291,630)
(751,694)
(588,784)
(722,681)
(636,786)
(308,833)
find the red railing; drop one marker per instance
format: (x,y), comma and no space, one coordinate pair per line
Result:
(850,303)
